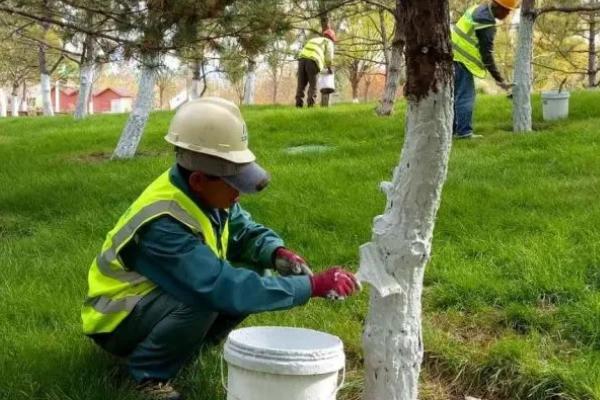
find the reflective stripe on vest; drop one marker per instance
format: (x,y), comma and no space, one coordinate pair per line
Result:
(466,45)
(114,290)
(315,50)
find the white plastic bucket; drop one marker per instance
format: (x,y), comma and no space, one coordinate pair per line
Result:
(326,83)
(268,363)
(555,105)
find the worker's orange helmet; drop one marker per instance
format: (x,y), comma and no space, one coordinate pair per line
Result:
(329,33)
(509,4)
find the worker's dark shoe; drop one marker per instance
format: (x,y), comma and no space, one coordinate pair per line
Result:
(158,390)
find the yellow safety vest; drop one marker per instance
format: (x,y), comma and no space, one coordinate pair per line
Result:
(315,49)
(466,45)
(114,290)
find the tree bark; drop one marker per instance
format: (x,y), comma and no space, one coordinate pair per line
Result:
(86,79)
(134,129)
(523,76)
(593,54)
(275,87)
(401,244)
(250,84)
(44,73)
(394,70)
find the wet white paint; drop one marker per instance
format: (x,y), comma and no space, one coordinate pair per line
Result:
(265,362)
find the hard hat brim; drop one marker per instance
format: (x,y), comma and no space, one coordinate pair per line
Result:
(251,178)
(237,157)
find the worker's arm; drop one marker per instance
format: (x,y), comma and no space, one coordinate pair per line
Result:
(486,37)
(170,255)
(250,242)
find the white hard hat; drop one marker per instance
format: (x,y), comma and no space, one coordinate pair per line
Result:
(210,135)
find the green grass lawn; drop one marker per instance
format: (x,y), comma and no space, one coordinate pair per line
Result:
(512,298)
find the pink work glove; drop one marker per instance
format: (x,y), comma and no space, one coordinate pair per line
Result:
(289,263)
(335,284)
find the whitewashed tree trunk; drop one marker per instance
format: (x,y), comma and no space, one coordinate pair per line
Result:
(46,98)
(57,97)
(134,128)
(402,237)
(86,81)
(24,107)
(394,70)
(250,85)
(523,77)
(14,102)
(3,103)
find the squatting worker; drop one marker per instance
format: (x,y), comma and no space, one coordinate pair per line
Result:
(316,54)
(163,282)
(473,44)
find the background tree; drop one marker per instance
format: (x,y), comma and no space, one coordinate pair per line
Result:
(402,237)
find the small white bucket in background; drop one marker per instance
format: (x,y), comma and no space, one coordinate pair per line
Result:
(326,83)
(274,363)
(555,105)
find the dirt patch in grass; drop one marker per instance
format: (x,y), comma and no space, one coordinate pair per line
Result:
(98,157)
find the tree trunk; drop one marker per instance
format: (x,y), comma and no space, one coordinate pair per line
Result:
(45,81)
(196,80)
(394,70)
(325,24)
(523,78)
(3,103)
(368,81)
(24,104)
(275,87)
(250,84)
(402,237)
(354,84)
(132,133)
(14,103)
(593,54)
(86,79)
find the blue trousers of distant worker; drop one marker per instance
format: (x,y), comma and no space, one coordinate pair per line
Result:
(162,334)
(464,100)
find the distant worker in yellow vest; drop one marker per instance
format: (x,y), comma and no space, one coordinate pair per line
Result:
(473,44)
(316,55)
(163,283)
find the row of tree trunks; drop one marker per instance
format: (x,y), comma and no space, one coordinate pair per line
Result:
(523,76)
(402,237)
(134,128)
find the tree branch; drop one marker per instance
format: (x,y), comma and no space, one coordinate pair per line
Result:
(569,9)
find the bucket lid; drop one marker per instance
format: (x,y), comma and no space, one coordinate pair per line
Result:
(285,350)
(554,94)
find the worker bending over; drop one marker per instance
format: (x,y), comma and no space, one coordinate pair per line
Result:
(316,54)
(163,283)
(473,44)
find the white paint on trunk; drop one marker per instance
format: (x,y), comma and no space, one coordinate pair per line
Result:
(46,98)
(391,85)
(24,106)
(401,243)
(14,105)
(196,89)
(3,103)
(132,133)
(250,84)
(57,97)
(86,80)
(523,79)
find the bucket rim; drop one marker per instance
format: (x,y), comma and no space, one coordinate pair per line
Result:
(284,360)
